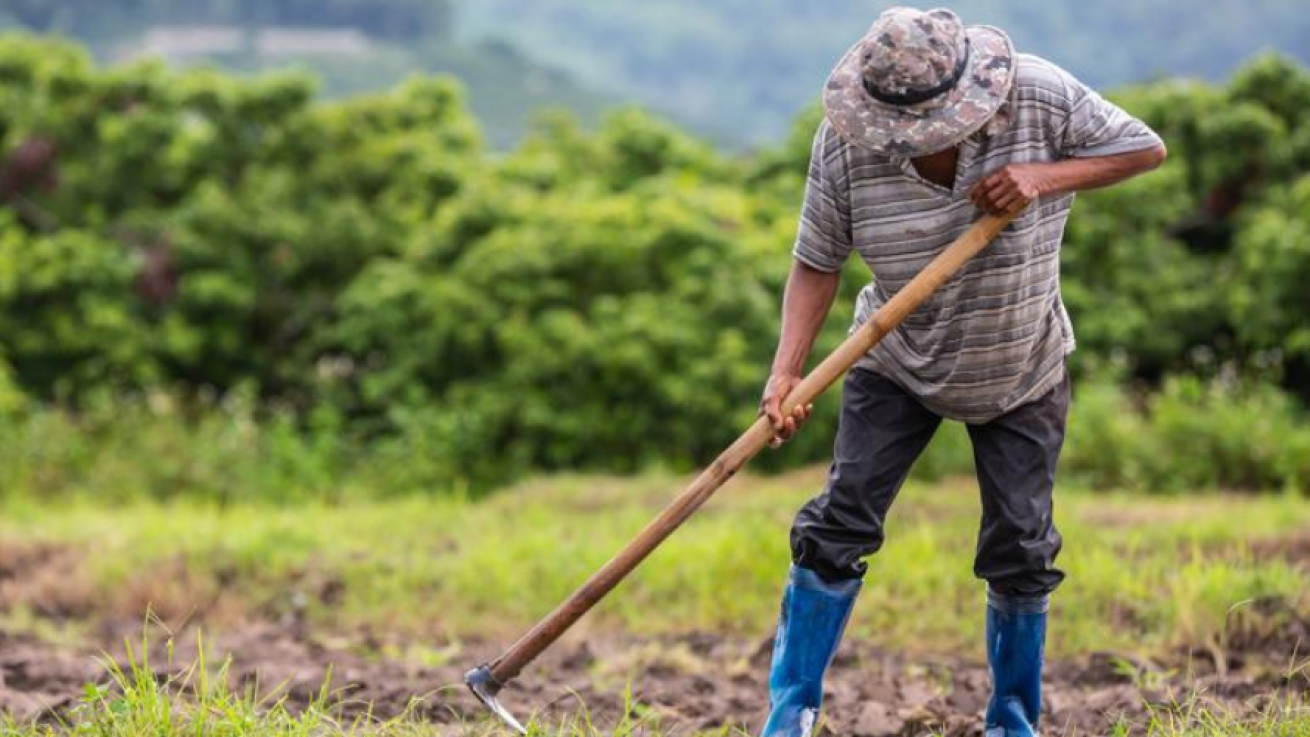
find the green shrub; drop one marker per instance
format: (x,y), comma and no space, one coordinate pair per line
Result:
(1227,434)
(1107,439)
(356,287)
(1269,299)
(12,399)
(1193,434)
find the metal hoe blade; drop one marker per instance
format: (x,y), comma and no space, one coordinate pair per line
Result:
(485,687)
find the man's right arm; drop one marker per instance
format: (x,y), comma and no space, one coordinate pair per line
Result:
(805,304)
(823,242)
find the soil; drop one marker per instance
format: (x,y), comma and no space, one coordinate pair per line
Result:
(690,682)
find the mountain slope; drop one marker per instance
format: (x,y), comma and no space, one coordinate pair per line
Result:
(739,70)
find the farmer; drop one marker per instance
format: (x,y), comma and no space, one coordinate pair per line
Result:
(928,124)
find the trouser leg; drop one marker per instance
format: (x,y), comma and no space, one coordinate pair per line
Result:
(1016,457)
(882,430)
(880,433)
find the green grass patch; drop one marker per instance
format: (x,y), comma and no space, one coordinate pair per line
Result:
(135,700)
(1145,575)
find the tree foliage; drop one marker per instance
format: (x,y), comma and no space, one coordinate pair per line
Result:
(603,299)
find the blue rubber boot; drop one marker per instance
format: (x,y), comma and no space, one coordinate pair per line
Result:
(1016,636)
(814,613)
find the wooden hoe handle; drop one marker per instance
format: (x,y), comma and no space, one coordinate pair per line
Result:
(936,273)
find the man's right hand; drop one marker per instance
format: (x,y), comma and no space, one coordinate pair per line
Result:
(784,426)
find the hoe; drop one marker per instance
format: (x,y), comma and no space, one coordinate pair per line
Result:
(487,680)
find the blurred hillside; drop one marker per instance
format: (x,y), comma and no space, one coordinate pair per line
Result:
(739,69)
(350,46)
(734,71)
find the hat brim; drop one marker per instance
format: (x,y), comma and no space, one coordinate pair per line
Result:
(927,127)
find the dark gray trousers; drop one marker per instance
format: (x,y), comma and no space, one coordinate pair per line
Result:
(883,430)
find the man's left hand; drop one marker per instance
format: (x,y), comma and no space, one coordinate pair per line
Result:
(1009,188)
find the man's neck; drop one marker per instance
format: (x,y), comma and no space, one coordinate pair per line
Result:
(938,168)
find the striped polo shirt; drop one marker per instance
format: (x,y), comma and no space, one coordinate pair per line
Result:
(995,336)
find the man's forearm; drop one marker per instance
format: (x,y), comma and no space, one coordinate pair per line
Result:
(1015,185)
(1075,175)
(805,304)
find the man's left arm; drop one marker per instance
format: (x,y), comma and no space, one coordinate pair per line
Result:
(1016,184)
(1097,143)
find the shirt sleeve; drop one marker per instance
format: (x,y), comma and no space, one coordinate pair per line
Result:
(1094,126)
(823,240)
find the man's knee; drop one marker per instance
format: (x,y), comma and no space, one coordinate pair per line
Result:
(881,432)
(832,541)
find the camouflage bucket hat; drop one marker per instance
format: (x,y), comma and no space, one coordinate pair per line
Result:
(919,82)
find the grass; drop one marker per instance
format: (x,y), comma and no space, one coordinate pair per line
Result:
(196,702)
(1145,574)
(1282,720)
